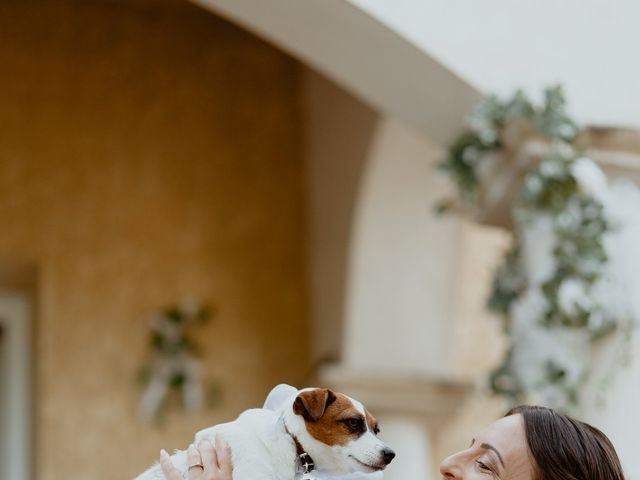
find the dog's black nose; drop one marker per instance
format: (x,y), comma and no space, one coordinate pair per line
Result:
(388,455)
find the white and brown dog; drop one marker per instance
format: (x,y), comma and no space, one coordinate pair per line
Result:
(314,432)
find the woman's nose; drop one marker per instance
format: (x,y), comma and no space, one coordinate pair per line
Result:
(450,469)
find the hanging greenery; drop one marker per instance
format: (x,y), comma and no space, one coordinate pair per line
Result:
(550,191)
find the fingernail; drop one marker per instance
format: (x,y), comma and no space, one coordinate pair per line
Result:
(163,453)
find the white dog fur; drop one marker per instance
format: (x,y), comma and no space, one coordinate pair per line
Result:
(263,448)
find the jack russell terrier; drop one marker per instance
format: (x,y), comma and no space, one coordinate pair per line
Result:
(314,432)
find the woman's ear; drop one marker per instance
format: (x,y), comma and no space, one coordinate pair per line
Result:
(311,404)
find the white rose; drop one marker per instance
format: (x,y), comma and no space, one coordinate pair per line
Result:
(590,177)
(572,295)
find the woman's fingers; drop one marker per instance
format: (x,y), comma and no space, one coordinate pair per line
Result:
(203,462)
(194,462)
(170,472)
(224,456)
(217,461)
(209,457)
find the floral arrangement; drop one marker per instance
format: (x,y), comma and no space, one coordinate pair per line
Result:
(174,361)
(552,290)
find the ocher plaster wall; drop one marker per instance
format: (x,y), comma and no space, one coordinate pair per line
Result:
(148,152)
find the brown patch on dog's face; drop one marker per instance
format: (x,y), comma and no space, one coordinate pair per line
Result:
(339,423)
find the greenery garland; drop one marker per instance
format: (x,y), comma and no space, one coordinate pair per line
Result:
(549,188)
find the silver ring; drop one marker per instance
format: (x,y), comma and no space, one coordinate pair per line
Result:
(198,465)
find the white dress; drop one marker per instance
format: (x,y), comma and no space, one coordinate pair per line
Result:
(273,401)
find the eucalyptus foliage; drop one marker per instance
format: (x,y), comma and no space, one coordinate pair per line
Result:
(548,188)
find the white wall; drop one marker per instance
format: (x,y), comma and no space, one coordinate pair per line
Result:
(15,364)
(618,417)
(497,45)
(4,388)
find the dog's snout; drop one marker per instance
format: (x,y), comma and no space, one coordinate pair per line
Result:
(388,455)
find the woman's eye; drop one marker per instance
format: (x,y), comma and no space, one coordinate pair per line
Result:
(482,466)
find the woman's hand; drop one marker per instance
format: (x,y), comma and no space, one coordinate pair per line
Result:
(205,462)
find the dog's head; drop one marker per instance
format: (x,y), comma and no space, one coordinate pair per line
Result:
(337,431)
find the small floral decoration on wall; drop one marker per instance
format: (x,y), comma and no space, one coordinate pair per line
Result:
(553,290)
(174,364)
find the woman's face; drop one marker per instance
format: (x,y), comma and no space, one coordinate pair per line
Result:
(499,452)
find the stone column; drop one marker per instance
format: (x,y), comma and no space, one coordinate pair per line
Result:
(400,303)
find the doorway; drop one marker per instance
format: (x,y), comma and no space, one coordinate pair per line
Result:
(15,387)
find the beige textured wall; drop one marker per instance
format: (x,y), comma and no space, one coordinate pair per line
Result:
(148,152)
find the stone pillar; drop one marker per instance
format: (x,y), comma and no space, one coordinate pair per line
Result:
(400,300)
(402,261)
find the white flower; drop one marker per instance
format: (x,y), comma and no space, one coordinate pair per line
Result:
(566,130)
(568,219)
(538,241)
(470,155)
(590,177)
(551,168)
(538,346)
(573,295)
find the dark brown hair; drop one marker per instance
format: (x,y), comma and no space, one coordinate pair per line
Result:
(564,448)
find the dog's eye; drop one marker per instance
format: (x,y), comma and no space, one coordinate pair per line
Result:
(354,424)
(376,430)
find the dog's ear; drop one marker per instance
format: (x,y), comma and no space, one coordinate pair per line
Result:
(312,403)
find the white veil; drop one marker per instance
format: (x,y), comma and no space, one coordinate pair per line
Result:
(276,398)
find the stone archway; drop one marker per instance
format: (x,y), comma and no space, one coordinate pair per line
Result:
(380,260)
(364,56)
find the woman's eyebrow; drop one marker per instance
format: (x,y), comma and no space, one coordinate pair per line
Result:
(486,446)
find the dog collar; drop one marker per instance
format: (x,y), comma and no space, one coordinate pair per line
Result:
(305,464)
